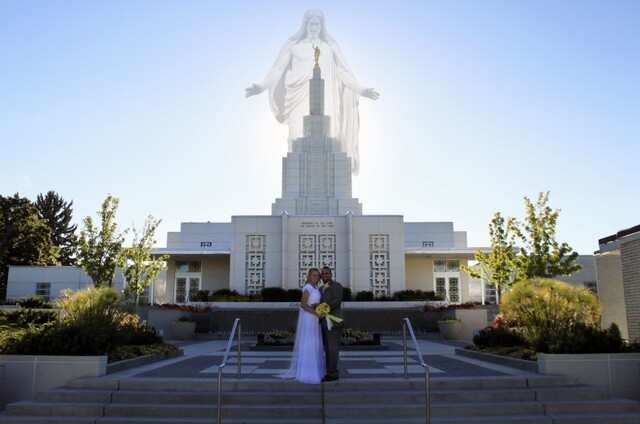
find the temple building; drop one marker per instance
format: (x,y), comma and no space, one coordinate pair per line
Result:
(316,222)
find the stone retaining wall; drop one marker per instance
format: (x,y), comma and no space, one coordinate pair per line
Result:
(255,321)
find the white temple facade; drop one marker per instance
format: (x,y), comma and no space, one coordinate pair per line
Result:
(317,222)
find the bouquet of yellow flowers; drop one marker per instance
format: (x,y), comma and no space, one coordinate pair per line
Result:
(323,310)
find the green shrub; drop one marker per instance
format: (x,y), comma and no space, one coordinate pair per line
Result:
(202,296)
(542,309)
(92,325)
(99,306)
(633,346)
(584,338)
(24,317)
(237,298)
(346,294)
(34,302)
(224,295)
(128,352)
(499,335)
(280,337)
(357,335)
(364,296)
(518,352)
(274,294)
(411,295)
(294,295)
(81,339)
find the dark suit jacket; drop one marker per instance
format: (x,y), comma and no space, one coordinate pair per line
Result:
(332,295)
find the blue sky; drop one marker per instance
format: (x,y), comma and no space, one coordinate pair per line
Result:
(482,103)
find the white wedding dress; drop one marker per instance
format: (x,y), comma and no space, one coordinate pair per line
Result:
(307,361)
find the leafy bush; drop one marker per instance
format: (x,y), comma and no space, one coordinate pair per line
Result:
(364,296)
(227,295)
(409,295)
(34,302)
(274,294)
(543,309)
(128,352)
(202,296)
(24,317)
(449,307)
(499,335)
(518,352)
(449,319)
(584,338)
(346,294)
(92,324)
(97,306)
(63,338)
(280,337)
(180,307)
(357,335)
(349,336)
(294,295)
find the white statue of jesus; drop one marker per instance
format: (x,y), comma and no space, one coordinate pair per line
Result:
(288,84)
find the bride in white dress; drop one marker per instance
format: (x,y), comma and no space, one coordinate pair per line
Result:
(307,362)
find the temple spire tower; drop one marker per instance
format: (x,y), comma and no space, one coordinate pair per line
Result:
(316,173)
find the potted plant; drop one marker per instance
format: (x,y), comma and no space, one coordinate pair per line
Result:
(450,328)
(184,328)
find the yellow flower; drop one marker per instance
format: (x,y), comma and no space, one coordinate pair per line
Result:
(323,309)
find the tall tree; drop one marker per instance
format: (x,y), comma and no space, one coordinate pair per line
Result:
(57,214)
(139,268)
(24,238)
(99,248)
(541,256)
(497,267)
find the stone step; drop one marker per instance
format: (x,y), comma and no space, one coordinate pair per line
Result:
(331,397)
(594,405)
(35,407)
(521,400)
(185,384)
(489,419)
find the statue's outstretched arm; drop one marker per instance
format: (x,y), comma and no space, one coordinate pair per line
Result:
(347,77)
(273,76)
(370,93)
(253,90)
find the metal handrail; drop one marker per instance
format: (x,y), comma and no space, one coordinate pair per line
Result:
(427,394)
(236,325)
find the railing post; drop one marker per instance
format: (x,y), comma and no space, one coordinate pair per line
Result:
(236,327)
(427,397)
(239,350)
(427,394)
(404,349)
(219,408)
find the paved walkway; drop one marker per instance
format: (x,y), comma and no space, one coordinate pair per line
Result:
(202,358)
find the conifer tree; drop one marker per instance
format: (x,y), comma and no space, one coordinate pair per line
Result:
(57,214)
(24,238)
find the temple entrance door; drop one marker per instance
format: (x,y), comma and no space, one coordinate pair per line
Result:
(186,288)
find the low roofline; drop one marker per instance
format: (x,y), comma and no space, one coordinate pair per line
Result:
(452,251)
(167,251)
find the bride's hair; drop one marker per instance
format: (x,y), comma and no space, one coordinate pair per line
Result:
(312,270)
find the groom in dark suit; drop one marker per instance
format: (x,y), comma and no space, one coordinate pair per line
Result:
(332,295)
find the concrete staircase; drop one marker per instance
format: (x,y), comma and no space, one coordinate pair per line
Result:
(496,400)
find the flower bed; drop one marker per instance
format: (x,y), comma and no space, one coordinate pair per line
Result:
(351,340)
